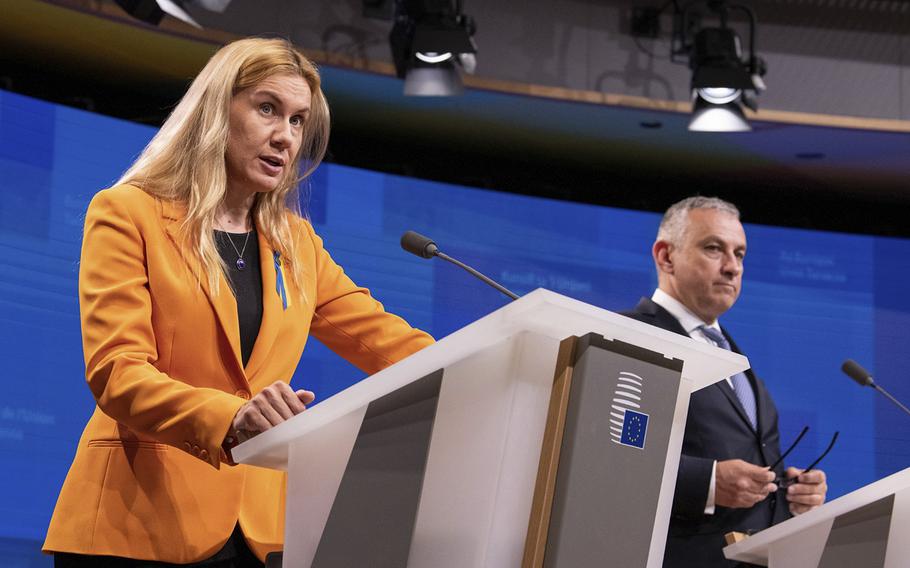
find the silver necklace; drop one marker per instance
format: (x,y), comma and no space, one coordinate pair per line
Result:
(240,263)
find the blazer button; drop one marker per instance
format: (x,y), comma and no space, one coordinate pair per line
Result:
(188,446)
(204,454)
(196,450)
(243,394)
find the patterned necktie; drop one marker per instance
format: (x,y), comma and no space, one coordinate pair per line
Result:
(741,385)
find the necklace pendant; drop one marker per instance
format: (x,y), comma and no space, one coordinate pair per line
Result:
(241,264)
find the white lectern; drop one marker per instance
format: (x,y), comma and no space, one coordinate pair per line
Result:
(868,528)
(437,461)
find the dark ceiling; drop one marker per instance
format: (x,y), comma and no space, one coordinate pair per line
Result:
(784,174)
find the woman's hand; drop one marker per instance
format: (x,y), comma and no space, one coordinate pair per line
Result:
(275,404)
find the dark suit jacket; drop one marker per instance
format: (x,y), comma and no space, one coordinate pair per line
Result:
(716,429)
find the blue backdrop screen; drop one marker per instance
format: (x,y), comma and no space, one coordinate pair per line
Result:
(810,299)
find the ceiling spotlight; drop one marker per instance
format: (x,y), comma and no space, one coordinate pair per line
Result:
(720,78)
(724,81)
(708,117)
(430,41)
(153,11)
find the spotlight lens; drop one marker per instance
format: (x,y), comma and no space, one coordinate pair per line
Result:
(728,118)
(439,81)
(433,57)
(719,95)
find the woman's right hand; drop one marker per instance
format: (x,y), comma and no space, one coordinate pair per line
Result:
(275,404)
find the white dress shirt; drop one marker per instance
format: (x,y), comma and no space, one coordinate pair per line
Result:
(691,323)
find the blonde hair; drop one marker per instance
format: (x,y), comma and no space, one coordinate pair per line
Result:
(185,161)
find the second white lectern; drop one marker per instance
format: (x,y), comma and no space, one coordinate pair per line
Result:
(867,528)
(547,433)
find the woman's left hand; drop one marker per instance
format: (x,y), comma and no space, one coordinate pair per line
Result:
(275,404)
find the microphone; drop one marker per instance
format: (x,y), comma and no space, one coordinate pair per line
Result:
(424,247)
(862,377)
(856,372)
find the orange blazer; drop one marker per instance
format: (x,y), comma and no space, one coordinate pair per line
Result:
(163,361)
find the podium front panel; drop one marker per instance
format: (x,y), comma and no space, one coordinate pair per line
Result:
(477,484)
(476,497)
(614,451)
(376,503)
(860,537)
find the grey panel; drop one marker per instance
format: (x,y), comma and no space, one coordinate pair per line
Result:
(606,491)
(372,519)
(860,537)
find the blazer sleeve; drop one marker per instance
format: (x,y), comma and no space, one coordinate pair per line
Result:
(120,346)
(350,322)
(692,483)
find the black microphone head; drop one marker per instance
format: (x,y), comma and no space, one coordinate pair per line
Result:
(415,243)
(856,372)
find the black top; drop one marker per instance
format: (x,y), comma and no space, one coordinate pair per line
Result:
(246,283)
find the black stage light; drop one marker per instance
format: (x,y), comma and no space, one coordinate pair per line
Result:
(430,40)
(153,11)
(147,11)
(724,81)
(719,80)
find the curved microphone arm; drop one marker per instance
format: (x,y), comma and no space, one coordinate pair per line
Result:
(477,274)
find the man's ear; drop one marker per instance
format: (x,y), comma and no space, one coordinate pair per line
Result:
(661,253)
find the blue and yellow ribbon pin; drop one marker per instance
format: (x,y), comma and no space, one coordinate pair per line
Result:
(279,281)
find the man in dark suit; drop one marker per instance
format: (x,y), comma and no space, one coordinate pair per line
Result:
(731,439)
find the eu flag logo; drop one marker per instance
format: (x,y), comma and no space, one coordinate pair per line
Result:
(634,429)
(628,425)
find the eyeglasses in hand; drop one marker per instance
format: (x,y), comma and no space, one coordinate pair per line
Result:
(783,483)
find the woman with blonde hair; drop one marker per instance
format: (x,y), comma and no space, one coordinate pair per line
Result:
(199,284)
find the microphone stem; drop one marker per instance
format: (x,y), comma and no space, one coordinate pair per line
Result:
(891,398)
(502,289)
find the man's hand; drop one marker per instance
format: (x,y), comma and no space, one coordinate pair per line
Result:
(275,404)
(739,484)
(809,490)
